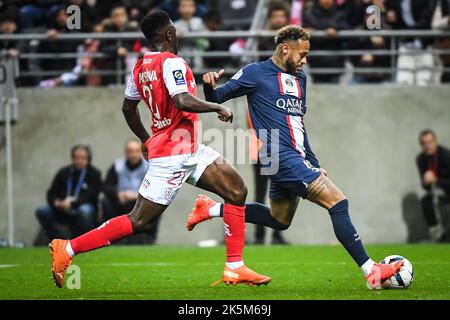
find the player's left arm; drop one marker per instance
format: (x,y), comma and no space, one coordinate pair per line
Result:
(175,79)
(187,102)
(310,155)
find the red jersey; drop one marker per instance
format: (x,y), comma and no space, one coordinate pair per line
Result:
(156,78)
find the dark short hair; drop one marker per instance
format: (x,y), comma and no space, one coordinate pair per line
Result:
(9,15)
(84,147)
(426,132)
(278,5)
(291,33)
(212,15)
(118,6)
(153,23)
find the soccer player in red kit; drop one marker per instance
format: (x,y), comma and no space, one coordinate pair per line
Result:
(166,84)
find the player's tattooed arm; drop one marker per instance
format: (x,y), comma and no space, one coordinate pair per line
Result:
(187,102)
(131,113)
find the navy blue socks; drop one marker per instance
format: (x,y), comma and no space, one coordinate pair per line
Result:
(346,232)
(258,213)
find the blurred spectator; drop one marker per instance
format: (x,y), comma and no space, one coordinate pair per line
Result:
(324,15)
(89,63)
(172,8)
(72,197)
(441,21)
(8,4)
(39,13)
(57,47)
(236,14)
(369,60)
(122,184)
(118,22)
(413,15)
(434,168)
(188,23)
(213,22)
(83,66)
(8,25)
(296,13)
(353,11)
(137,9)
(89,14)
(277,17)
(99,9)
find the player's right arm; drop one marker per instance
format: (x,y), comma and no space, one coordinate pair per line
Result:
(131,112)
(241,84)
(174,73)
(187,102)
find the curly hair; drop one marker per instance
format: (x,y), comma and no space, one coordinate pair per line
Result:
(291,33)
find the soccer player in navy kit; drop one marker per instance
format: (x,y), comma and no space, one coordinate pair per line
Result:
(276,95)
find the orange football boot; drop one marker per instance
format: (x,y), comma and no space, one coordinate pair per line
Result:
(200,212)
(61,260)
(242,275)
(382,272)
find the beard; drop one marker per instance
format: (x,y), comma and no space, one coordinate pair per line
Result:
(291,68)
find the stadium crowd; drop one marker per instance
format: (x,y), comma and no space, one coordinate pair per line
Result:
(331,16)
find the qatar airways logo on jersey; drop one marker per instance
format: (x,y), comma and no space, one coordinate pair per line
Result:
(291,105)
(147,76)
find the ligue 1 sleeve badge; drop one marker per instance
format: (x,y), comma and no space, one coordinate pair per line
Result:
(179,77)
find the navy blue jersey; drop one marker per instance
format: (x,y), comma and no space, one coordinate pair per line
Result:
(277,105)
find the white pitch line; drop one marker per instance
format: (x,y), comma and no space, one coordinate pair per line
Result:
(8,265)
(141,264)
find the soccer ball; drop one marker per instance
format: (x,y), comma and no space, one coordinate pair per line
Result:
(403,278)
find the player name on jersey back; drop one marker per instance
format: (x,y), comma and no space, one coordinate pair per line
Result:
(156,79)
(147,75)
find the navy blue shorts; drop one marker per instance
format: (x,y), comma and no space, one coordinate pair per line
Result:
(293,179)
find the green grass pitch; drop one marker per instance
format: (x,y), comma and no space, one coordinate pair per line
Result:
(168,272)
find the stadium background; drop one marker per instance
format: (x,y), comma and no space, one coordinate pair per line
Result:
(364,135)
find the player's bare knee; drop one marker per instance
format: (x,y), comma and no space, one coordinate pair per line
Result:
(337,198)
(283,222)
(138,222)
(237,196)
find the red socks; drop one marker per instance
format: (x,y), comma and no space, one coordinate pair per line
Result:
(234,222)
(120,227)
(112,230)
